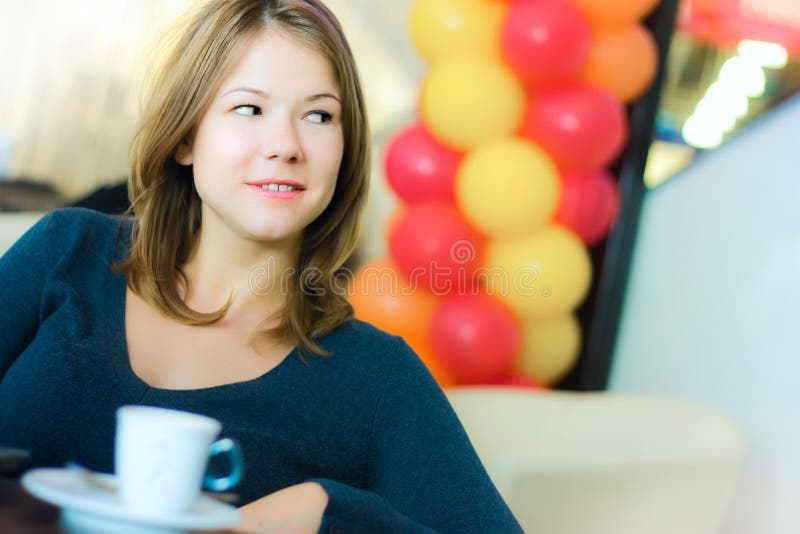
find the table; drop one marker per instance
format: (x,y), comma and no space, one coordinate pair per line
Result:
(20,512)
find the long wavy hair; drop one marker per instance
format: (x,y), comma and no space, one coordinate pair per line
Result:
(200,50)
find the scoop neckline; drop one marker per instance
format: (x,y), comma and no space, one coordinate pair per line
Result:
(116,317)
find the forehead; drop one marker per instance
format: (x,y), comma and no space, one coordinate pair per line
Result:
(275,61)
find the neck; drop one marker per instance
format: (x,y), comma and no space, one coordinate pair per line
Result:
(224,265)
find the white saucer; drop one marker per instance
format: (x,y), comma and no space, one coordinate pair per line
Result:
(88,507)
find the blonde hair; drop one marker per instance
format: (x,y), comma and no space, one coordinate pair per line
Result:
(165,204)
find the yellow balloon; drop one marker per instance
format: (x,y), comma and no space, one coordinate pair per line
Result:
(466,102)
(509,186)
(550,348)
(547,272)
(443,28)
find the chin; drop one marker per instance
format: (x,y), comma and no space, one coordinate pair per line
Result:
(271,232)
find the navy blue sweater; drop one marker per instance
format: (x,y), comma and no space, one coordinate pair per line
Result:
(368,423)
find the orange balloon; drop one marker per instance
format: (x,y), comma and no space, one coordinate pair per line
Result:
(607,13)
(380,295)
(431,361)
(395,217)
(622,61)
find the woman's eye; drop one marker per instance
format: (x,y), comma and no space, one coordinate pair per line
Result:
(320,117)
(248,109)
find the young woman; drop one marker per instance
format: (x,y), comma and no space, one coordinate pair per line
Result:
(249,174)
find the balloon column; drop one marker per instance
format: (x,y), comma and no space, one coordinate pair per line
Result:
(502,182)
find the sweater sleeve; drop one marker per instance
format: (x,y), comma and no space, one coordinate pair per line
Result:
(426,474)
(23,271)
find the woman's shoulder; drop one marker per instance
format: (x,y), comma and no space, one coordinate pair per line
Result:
(355,333)
(78,229)
(81,220)
(362,344)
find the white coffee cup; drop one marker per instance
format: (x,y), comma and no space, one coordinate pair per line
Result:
(161,457)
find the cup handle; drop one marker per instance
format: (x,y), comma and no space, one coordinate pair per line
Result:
(230,448)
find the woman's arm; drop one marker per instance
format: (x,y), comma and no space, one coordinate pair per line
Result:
(23,270)
(297,509)
(426,476)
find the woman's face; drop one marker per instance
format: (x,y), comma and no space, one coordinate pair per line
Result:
(267,151)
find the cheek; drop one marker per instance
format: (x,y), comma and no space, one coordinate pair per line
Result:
(332,156)
(221,148)
(329,158)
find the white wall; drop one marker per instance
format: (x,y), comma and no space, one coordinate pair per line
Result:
(89,93)
(13,225)
(711,312)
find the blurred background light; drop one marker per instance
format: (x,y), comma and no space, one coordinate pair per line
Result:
(745,74)
(768,55)
(728,96)
(711,112)
(701,133)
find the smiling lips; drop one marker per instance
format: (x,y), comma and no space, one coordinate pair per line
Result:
(283,189)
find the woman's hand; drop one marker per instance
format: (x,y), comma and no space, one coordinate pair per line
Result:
(297,509)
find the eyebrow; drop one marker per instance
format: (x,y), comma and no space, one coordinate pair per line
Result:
(259,92)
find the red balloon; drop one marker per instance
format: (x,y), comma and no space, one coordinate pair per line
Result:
(418,167)
(544,42)
(518,381)
(588,204)
(434,246)
(582,127)
(712,7)
(475,337)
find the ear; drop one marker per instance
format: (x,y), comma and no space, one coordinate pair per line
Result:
(183,154)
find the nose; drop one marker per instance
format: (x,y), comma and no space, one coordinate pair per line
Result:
(282,140)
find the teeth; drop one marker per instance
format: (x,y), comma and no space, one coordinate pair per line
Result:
(276,187)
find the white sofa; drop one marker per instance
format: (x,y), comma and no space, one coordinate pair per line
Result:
(599,463)
(13,225)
